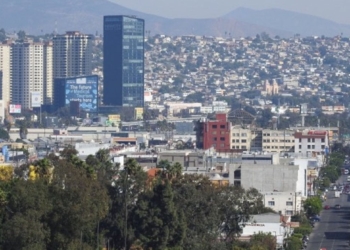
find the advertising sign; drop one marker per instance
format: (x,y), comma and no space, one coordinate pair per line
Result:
(15,109)
(36,99)
(84,91)
(114,119)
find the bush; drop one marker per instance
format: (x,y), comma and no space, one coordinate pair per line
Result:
(297,235)
(303,230)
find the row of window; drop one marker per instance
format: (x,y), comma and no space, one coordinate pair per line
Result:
(276,147)
(312,140)
(242,141)
(216,126)
(272,203)
(275,140)
(238,134)
(221,139)
(277,134)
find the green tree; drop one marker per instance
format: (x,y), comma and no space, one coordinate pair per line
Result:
(4,134)
(312,205)
(263,240)
(158,224)
(125,190)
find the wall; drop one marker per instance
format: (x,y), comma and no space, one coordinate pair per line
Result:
(267,178)
(216,134)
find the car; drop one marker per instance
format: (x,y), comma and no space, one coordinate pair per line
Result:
(337,206)
(327,207)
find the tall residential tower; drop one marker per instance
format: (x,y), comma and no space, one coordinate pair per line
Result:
(31,72)
(5,68)
(123,63)
(72,53)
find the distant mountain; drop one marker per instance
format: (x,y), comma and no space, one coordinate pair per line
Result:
(46,16)
(289,21)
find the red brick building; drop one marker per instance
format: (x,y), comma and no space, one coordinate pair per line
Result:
(217,133)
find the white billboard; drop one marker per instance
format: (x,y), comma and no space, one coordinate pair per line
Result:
(15,109)
(36,99)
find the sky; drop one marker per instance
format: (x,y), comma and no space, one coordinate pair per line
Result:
(335,10)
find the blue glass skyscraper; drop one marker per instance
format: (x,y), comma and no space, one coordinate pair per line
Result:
(123,63)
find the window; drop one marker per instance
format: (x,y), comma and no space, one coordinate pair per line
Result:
(214,126)
(313,146)
(299,146)
(323,146)
(222,138)
(322,140)
(289,212)
(244,147)
(215,139)
(271,203)
(308,147)
(222,126)
(244,134)
(244,141)
(289,203)
(308,140)
(222,132)
(299,139)
(222,145)
(313,139)
(214,132)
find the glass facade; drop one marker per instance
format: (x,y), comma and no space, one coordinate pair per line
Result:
(123,64)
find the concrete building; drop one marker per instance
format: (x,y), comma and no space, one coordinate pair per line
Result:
(5,68)
(285,203)
(277,140)
(31,72)
(240,138)
(269,223)
(311,142)
(272,178)
(72,54)
(187,158)
(217,134)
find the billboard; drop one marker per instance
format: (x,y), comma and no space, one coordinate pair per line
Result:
(15,109)
(36,99)
(114,119)
(82,90)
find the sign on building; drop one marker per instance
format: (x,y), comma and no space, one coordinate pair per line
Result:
(15,109)
(36,99)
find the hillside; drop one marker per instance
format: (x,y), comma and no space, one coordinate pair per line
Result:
(45,16)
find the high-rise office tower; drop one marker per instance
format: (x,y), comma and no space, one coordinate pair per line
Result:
(123,61)
(72,54)
(31,72)
(5,68)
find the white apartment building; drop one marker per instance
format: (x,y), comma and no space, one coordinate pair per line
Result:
(311,142)
(285,203)
(5,68)
(31,72)
(277,140)
(72,53)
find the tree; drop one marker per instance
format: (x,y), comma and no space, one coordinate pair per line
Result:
(4,134)
(158,224)
(265,241)
(312,205)
(125,190)
(21,35)
(23,130)
(24,224)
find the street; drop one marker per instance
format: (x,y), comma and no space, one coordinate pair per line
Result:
(333,231)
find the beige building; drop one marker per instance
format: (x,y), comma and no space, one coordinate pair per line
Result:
(31,72)
(271,89)
(277,140)
(240,138)
(5,68)
(72,54)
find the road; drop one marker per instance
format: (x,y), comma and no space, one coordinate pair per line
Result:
(333,232)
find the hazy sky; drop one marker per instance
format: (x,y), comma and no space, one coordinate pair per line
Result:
(336,10)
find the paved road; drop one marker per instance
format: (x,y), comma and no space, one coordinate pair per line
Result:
(333,232)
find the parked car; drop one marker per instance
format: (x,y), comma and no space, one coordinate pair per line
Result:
(327,207)
(337,206)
